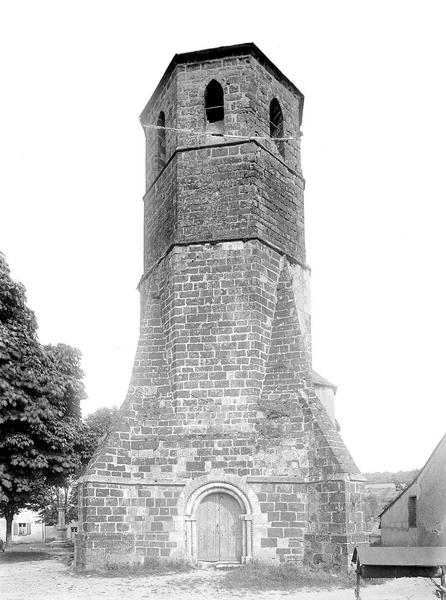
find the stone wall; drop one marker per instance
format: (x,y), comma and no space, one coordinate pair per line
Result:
(248,86)
(226,191)
(221,388)
(220,187)
(290,520)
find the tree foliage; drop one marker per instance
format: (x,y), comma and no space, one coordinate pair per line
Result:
(40,392)
(401,479)
(94,428)
(97,426)
(51,497)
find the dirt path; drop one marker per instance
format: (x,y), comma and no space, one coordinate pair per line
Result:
(38,577)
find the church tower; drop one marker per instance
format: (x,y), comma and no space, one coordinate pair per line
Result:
(222,451)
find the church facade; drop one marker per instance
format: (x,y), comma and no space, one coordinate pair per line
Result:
(223,451)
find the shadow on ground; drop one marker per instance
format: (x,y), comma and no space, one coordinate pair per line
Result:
(15,556)
(34,552)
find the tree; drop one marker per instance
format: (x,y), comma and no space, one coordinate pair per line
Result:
(40,392)
(51,497)
(95,427)
(401,479)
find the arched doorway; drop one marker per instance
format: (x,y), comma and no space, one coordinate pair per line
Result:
(219,528)
(236,517)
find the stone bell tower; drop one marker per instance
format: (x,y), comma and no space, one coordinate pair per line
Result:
(222,451)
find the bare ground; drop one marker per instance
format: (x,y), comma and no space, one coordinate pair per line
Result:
(32,574)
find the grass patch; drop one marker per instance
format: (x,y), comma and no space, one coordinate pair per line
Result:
(152,566)
(289,576)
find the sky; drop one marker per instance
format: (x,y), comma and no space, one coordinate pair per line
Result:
(74,77)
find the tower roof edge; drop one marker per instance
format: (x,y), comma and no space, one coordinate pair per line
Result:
(223,52)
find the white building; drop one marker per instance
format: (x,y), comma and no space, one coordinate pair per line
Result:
(27,528)
(417,517)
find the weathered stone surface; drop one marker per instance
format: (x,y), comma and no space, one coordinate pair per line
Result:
(221,398)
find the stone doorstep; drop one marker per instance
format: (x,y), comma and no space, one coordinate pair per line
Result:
(202,564)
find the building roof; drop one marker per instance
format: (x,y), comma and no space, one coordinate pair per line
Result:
(440,443)
(319,380)
(410,556)
(225,52)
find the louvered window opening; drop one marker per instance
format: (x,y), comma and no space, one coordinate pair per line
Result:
(276,125)
(213,101)
(161,142)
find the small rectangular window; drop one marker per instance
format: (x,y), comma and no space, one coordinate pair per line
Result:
(74,530)
(412,506)
(24,528)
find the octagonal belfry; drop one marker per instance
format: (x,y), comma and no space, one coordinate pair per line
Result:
(225,449)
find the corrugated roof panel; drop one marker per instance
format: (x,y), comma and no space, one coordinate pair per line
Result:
(413,556)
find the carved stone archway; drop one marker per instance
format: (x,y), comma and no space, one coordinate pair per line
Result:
(190,515)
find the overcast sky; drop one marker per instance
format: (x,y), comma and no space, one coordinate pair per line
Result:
(75,75)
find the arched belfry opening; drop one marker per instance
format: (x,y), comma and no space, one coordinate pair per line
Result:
(214,106)
(276,125)
(161,142)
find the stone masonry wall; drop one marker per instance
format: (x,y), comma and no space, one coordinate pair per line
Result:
(310,523)
(248,90)
(217,187)
(220,387)
(234,190)
(221,351)
(335,520)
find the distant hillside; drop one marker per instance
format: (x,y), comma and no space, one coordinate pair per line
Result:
(376,499)
(401,479)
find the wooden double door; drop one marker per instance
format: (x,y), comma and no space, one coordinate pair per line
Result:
(219,529)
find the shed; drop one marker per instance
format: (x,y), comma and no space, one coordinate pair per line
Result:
(396,561)
(417,516)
